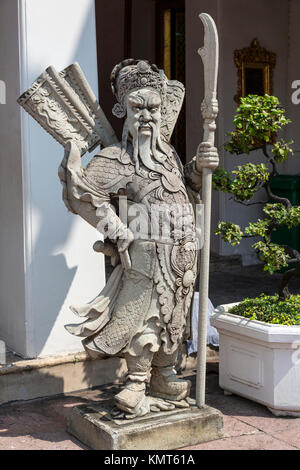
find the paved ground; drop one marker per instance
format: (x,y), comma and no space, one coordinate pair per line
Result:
(41,425)
(237,283)
(248,425)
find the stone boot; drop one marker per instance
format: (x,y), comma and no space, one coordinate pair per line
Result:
(132,399)
(165,384)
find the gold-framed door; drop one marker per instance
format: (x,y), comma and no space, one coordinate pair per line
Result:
(170,55)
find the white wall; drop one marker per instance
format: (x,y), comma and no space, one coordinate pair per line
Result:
(60,266)
(12,292)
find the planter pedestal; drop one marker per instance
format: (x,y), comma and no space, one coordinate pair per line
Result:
(259,361)
(280,413)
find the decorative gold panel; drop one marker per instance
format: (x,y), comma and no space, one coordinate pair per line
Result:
(255,70)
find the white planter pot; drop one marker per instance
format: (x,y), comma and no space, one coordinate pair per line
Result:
(259,361)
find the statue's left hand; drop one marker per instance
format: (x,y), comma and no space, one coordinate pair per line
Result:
(125,241)
(72,157)
(71,161)
(207,157)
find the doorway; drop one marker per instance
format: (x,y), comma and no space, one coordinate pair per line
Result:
(170,55)
(143,29)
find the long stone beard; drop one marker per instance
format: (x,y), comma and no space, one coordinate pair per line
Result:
(147,149)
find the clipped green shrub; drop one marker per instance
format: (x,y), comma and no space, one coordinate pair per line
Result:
(270,309)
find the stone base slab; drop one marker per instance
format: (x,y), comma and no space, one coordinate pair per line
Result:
(94,426)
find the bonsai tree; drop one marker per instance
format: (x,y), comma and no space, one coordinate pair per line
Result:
(258,121)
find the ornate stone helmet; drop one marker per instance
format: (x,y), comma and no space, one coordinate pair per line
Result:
(132,75)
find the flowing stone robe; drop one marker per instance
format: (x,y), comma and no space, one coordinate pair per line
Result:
(149,304)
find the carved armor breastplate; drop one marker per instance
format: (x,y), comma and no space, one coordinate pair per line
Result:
(159,196)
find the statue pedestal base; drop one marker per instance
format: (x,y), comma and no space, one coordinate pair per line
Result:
(94,426)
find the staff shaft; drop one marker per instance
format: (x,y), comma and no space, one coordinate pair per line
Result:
(203,289)
(210,57)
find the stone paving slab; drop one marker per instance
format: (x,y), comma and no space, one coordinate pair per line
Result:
(291,436)
(260,441)
(44,441)
(234,427)
(42,424)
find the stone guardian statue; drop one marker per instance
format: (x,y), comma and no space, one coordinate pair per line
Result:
(143,312)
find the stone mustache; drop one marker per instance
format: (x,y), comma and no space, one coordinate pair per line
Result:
(143,312)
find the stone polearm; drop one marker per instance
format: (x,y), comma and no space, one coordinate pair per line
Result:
(210,57)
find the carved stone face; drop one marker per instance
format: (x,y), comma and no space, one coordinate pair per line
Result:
(143,112)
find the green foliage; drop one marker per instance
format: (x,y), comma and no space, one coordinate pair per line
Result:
(230,233)
(245,183)
(274,211)
(274,256)
(278,213)
(282,150)
(222,180)
(257,120)
(270,309)
(259,228)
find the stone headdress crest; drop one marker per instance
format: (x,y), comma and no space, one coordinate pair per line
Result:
(132,75)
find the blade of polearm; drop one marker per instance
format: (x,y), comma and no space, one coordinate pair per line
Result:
(210,57)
